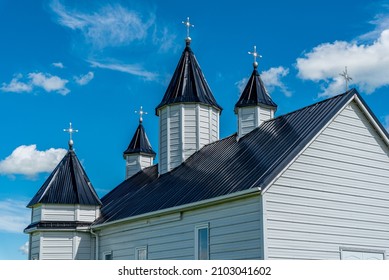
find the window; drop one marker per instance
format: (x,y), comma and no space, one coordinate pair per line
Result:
(35,257)
(202,242)
(141,253)
(108,255)
(361,254)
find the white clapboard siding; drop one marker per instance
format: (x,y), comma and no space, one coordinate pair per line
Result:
(69,213)
(57,246)
(65,246)
(35,245)
(335,195)
(136,162)
(234,228)
(57,212)
(87,213)
(83,244)
(265,114)
(36,214)
(184,129)
(251,117)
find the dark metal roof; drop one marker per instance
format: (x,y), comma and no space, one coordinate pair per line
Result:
(188,84)
(255,93)
(139,143)
(67,184)
(223,167)
(58,225)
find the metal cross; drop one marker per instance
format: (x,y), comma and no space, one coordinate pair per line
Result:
(188,26)
(255,55)
(70,130)
(141,113)
(346,77)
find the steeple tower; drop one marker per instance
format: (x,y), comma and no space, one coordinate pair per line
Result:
(62,210)
(255,104)
(188,113)
(139,153)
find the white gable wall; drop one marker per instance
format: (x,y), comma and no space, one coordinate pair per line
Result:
(334,196)
(234,230)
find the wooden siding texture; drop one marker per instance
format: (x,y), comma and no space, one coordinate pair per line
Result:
(336,194)
(65,246)
(184,129)
(69,213)
(235,233)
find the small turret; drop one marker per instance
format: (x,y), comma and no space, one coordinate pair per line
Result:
(139,153)
(255,104)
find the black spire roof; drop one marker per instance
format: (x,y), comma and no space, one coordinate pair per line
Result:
(139,143)
(188,84)
(255,93)
(67,184)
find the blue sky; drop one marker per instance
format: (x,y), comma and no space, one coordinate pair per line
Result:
(95,62)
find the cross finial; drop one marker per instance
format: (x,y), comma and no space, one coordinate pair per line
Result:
(255,55)
(70,130)
(188,26)
(141,113)
(346,77)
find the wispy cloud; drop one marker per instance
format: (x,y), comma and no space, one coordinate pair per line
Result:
(111,25)
(58,65)
(84,79)
(45,81)
(132,69)
(14,215)
(272,79)
(241,84)
(28,161)
(380,23)
(367,62)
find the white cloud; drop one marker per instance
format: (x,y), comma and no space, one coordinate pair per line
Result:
(27,160)
(241,84)
(112,25)
(84,79)
(58,65)
(14,216)
(367,65)
(49,82)
(272,79)
(24,248)
(42,80)
(132,69)
(16,85)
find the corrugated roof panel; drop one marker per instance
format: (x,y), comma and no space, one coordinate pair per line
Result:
(139,143)
(225,166)
(188,84)
(67,184)
(255,93)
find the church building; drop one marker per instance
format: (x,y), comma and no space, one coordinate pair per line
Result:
(310,184)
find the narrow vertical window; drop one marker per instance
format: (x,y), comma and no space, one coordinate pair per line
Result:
(141,253)
(202,242)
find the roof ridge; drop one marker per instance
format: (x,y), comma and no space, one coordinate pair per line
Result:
(353,90)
